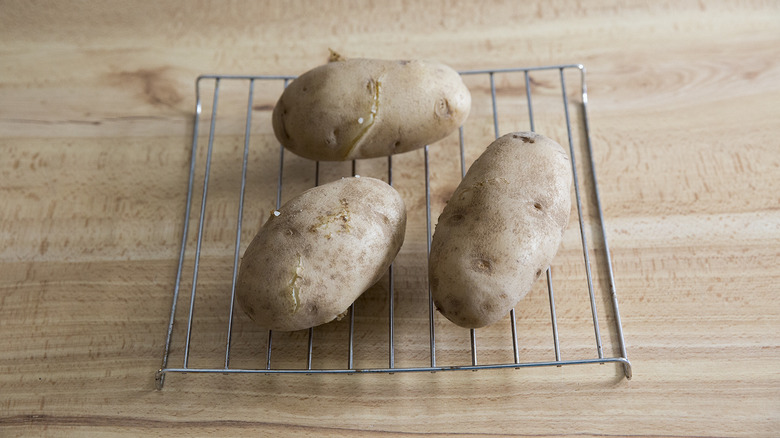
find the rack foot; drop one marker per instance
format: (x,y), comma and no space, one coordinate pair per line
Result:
(159,379)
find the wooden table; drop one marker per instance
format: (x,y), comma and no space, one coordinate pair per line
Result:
(96,113)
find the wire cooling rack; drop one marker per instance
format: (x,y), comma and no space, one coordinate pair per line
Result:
(183,326)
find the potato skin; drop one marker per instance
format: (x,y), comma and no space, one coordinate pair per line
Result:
(307,265)
(366,108)
(500,229)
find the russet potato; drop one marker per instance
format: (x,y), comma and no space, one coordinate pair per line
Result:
(500,229)
(319,252)
(365,108)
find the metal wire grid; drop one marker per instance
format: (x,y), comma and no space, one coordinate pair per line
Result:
(391,368)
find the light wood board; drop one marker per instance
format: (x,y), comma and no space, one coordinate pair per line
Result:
(96,113)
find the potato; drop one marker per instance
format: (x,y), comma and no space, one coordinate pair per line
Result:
(319,252)
(500,229)
(365,108)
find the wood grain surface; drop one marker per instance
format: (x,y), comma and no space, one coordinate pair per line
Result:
(96,117)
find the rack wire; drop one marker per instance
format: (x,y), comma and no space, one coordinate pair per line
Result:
(601,245)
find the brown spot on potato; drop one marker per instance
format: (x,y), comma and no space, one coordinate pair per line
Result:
(537,205)
(482,265)
(330,140)
(457,217)
(538,273)
(465,192)
(525,138)
(283,124)
(342,217)
(452,304)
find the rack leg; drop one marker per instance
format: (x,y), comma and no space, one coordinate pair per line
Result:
(627,369)
(159,379)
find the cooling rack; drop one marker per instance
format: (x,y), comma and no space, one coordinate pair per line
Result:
(592,238)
